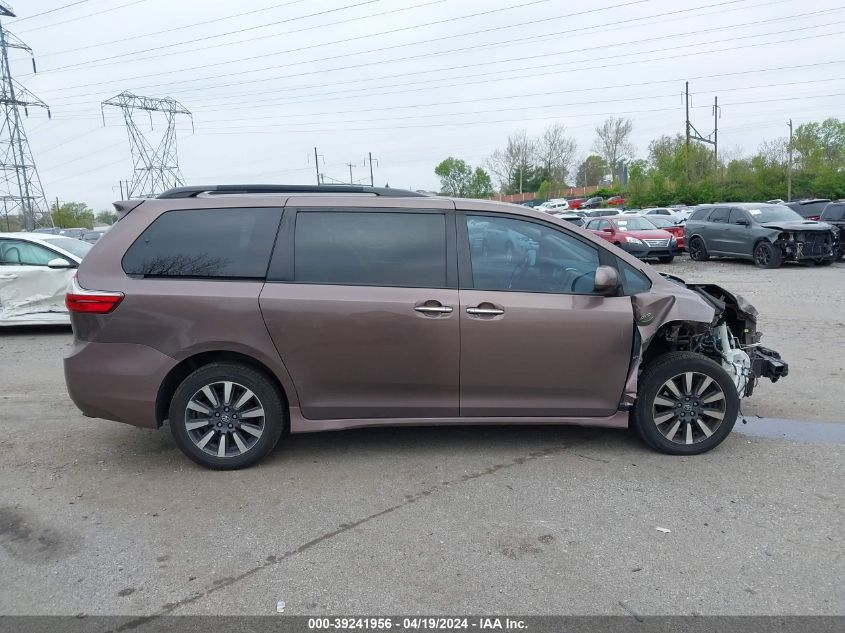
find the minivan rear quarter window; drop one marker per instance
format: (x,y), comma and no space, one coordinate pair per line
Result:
(197,243)
(370,248)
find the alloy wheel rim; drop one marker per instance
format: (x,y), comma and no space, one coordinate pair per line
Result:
(695,249)
(689,408)
(224,419)
(762,255)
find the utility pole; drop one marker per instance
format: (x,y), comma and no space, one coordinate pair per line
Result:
(370,160)
(350,165)
(155,168)
(20,185)
(789,165)
(693,133)
(317,165)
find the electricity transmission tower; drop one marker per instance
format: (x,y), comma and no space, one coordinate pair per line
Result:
(154,168)
(20,186)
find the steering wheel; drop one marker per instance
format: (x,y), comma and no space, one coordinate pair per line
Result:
(575,280)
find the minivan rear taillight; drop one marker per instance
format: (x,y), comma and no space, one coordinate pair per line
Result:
(79,299)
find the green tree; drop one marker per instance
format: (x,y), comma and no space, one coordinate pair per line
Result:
(455,177)
(106,217)
(592,171)
(480,185)
(72,214)
(458,179)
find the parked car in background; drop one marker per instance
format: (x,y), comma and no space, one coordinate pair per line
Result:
(76,233)
(556,204)
(767,234)
(575,203)
(294,308)
(35,270)
(637,236)
(592,203)
(616,201)
(536,202)
(573,218)
(834,214)
(660,211)
(597,213)
(810,209)
(670,225)
(52,230)
(93,235)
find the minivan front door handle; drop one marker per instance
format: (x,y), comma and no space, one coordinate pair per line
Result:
(434,309)
(485,311)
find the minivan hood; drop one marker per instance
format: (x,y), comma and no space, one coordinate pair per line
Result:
(797,225)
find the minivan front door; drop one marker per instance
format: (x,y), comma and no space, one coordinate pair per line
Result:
(535,339)
(367,323)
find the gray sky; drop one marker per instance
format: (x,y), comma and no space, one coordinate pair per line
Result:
(411,81)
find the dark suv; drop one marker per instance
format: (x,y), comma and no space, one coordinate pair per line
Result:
(834,214)
(768,234)
(238,312)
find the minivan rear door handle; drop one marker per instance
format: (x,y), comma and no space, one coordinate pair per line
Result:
(488,310)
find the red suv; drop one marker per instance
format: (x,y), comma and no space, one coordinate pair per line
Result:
(235,313)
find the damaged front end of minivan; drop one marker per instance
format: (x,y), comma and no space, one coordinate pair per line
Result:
(710,321)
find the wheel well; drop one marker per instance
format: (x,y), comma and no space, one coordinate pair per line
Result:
(672,337)
(181,371)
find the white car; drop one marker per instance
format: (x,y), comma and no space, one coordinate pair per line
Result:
(549,206)
(35,269)
(664,211)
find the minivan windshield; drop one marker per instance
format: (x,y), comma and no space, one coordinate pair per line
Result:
(774,213)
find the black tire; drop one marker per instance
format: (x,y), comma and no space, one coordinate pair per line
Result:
(651,383)
(268,399)
(666,260)
(823,261)
(767,256)
(698,250)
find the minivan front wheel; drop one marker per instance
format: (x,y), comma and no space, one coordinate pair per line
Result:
(226,416)
(698,250)
(687,404)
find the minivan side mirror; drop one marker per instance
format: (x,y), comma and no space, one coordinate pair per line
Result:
(60,262)
(607,280)
(742,221)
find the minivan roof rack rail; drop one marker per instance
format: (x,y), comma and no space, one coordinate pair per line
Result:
(192,192)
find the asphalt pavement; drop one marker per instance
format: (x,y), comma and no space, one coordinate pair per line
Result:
(101,518)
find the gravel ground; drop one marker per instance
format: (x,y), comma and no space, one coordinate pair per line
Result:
(102,518)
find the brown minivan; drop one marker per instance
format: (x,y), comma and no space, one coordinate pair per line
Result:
(238,312)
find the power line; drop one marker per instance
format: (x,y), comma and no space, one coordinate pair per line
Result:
(82,17)
(94,62)
(359,37)
(264,129)
(64,6)
(498,73)
(171,30)
(261,26)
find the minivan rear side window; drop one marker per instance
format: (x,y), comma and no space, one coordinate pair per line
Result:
(200,243)
(370,248)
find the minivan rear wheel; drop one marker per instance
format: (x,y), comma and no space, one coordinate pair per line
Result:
(686,404)
(226,416)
